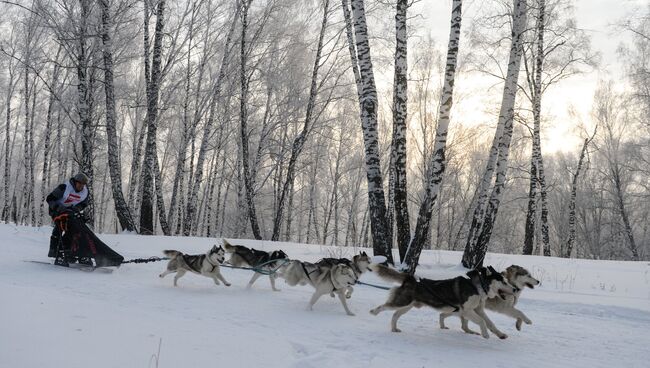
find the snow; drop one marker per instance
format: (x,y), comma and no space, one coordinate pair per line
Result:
(585,314)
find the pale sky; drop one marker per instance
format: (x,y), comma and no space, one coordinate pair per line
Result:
(594,16)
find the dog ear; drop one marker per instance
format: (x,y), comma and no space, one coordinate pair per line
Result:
(364,253)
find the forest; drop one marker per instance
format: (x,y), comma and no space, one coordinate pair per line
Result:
(334,122)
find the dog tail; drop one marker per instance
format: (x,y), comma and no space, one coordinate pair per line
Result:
(228,247)
(389,273)
(172,253)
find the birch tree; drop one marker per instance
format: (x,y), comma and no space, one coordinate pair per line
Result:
(398,146)
(300,139)
(114,162)
(438,159)
(496,168)
(367,94)
(152,77)
(207,130)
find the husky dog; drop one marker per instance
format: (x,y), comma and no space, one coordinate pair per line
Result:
(332,279)
(271,263)
(461,296)
(359,265)
(519,278)
(202,264)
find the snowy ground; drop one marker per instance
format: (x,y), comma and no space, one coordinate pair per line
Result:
(585,314)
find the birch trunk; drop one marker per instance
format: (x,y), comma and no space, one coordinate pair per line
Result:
(620,202)
(572,202)
(114,162)
(398,149)
(8,145)
(537,111)
(438,160)
(153,77)
(529,234)
(368,115)
(27,156)
(243,118)
(84,91)
(483,222)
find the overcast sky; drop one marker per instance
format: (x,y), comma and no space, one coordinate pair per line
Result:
(597,17)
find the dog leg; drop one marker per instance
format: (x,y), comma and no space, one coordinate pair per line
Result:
(518,315)
(490,325)
(342,298)
(314,299)
(179,274)
(472,316)
(220,277)
(379,309)
(167,272)
(253,279)
(348,292)
(464,325)
(272,278)
(441,319)
(398,313)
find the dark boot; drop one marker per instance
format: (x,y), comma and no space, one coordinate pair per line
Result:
(86,261)
(60,261)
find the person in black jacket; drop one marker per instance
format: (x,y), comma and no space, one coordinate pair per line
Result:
(71,196)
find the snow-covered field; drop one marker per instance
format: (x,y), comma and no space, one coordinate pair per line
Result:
(585,314)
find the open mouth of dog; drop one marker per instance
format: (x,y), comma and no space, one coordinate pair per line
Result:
(528,284)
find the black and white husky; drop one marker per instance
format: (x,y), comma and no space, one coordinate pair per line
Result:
(326,279)
(270,263)
(359,264)
(519,278)
(203,264)
(463,296)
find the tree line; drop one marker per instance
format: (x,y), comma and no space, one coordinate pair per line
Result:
(324,122)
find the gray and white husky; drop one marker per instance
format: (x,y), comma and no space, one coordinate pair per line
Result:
(270,263)
(203,264)
(464,296)
(359,264)
(519,278)
(329,279)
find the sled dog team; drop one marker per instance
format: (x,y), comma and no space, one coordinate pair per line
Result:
(462,296)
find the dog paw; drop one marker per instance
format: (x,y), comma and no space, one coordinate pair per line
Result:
(332,294)
(486,336)
(518,324)
(351,314)
(276,289)
(503,336)
(396,330)
(227,284)
(374,312)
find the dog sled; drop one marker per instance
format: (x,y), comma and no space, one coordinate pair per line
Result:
(76,241)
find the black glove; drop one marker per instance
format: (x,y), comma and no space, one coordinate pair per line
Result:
(57,210)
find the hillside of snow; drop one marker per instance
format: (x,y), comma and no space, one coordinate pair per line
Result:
(585,314)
